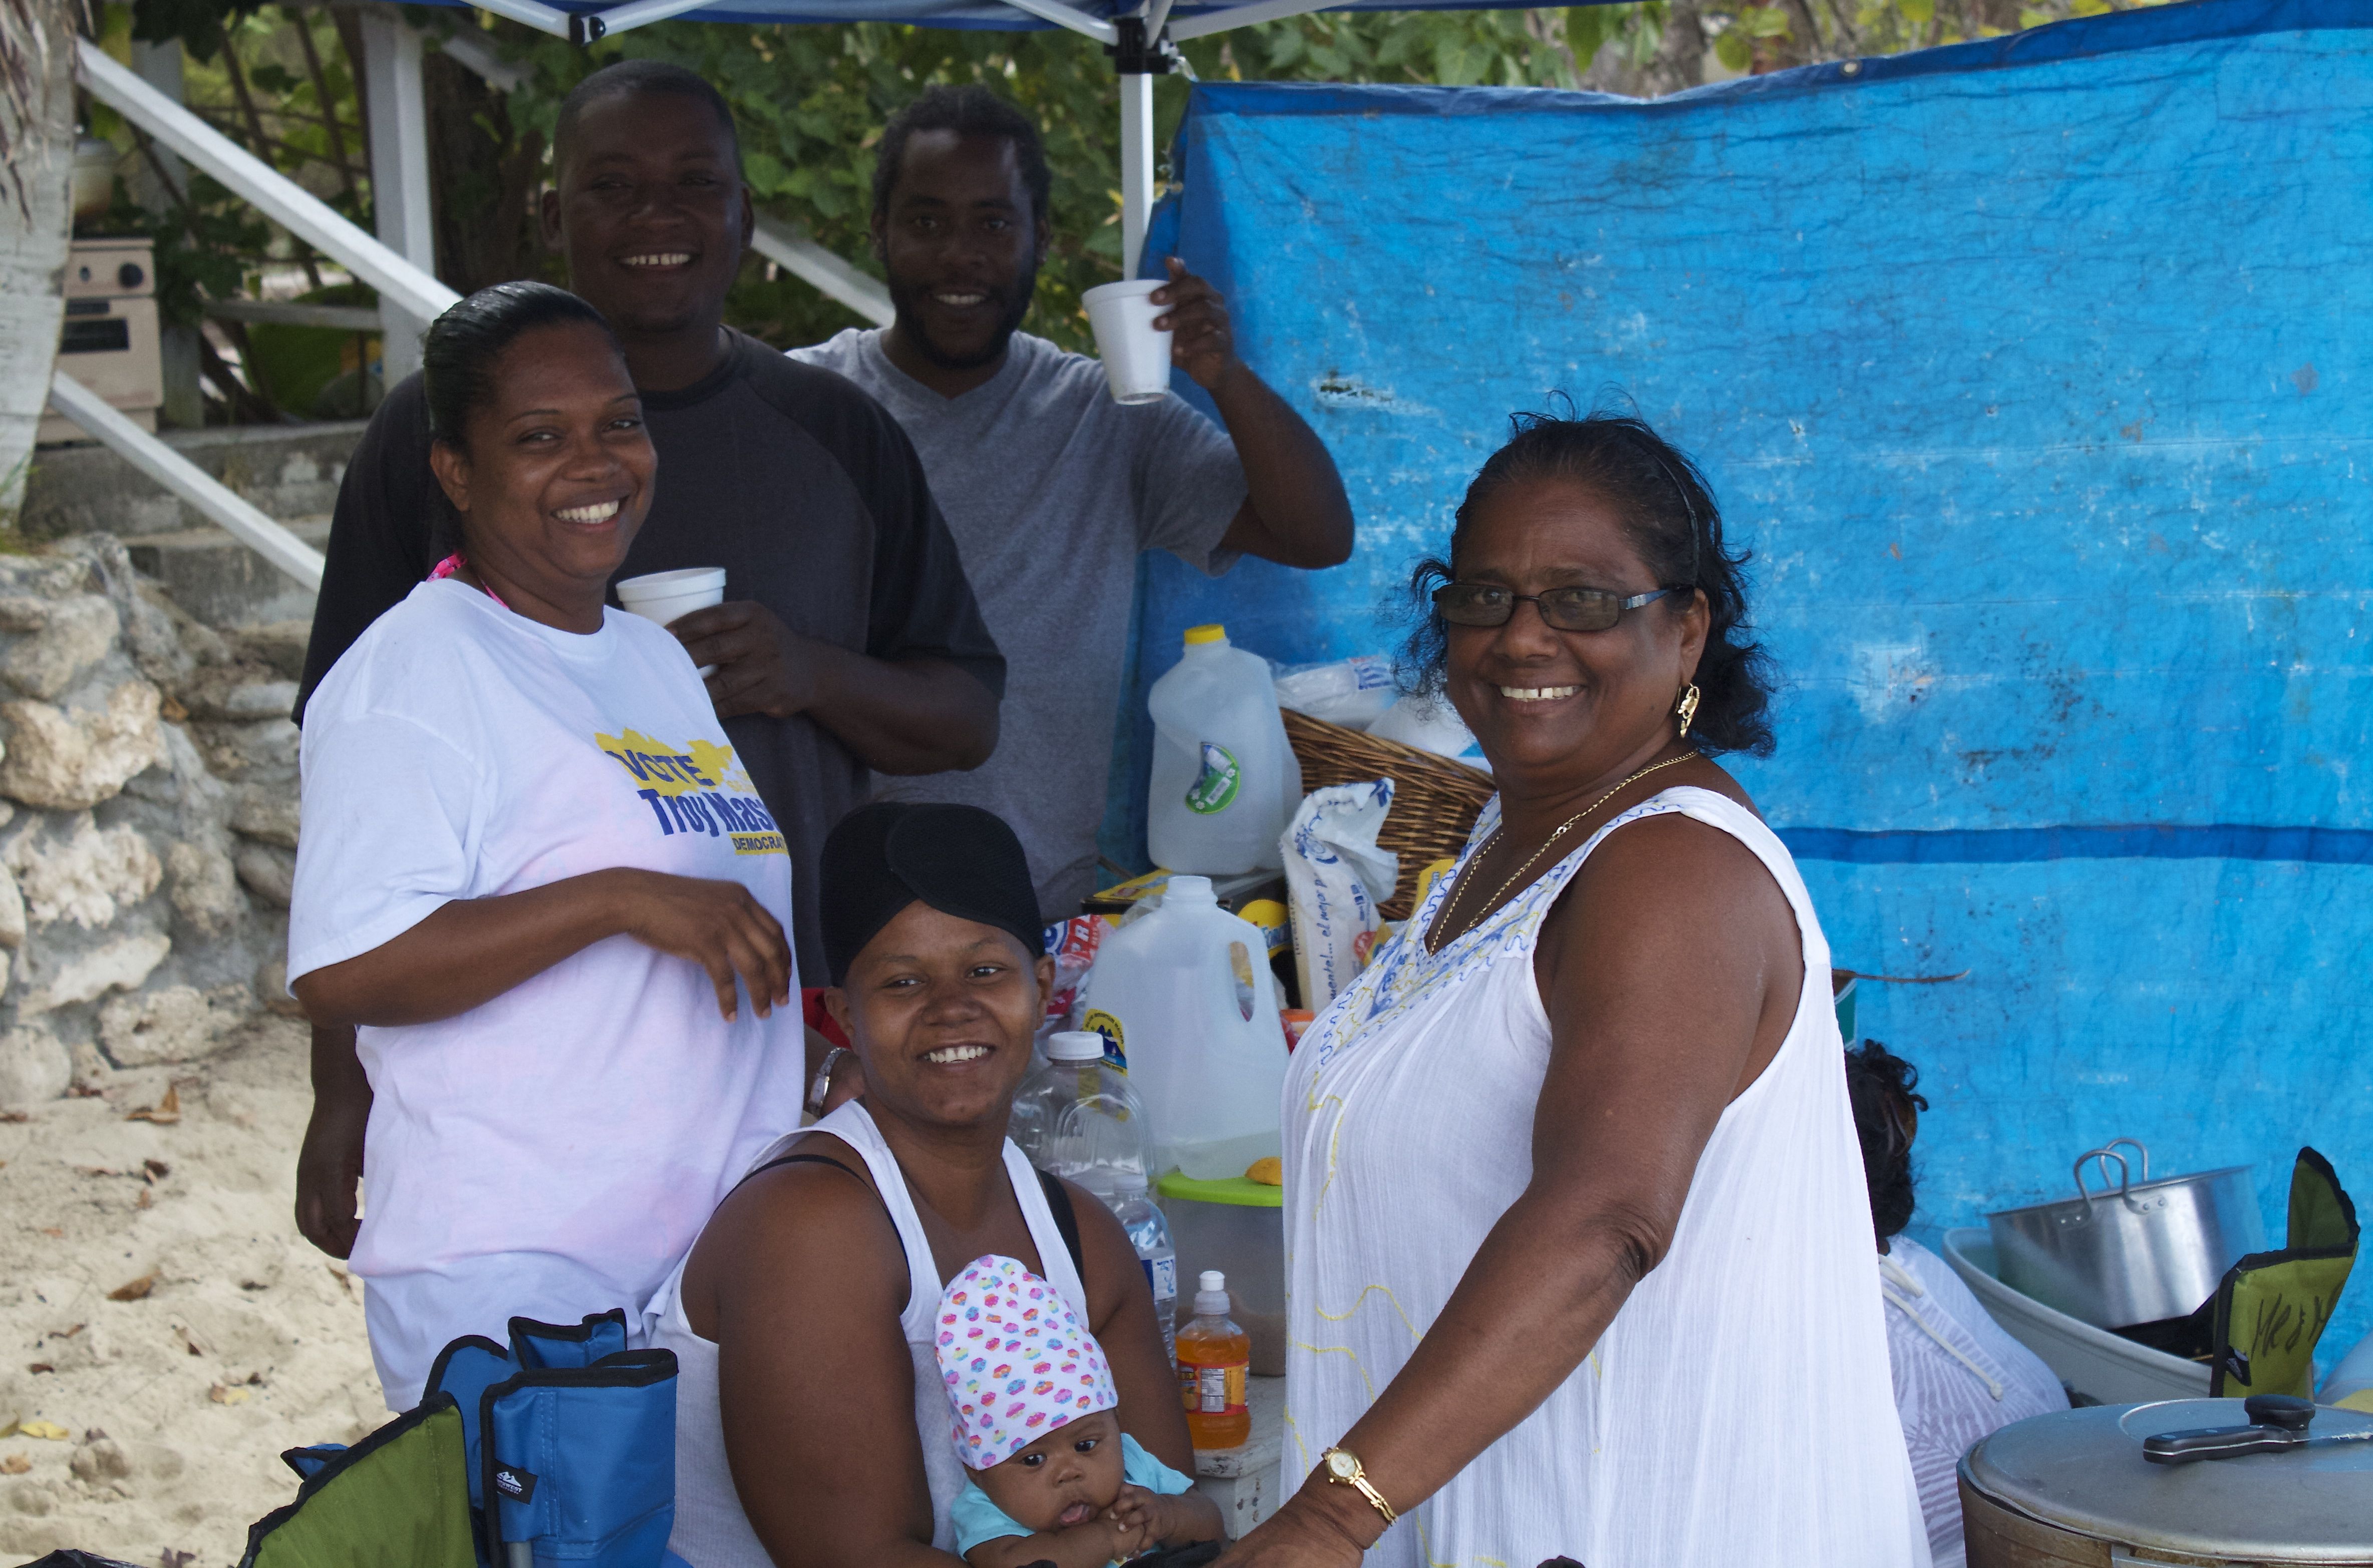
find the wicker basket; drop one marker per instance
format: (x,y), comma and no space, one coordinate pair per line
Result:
(1435,800)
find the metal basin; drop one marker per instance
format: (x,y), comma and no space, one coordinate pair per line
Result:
(2148,1251)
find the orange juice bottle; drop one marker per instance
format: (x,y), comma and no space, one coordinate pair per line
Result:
(1214,1356)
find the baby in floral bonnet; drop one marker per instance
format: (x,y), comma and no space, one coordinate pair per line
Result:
(1050,1476)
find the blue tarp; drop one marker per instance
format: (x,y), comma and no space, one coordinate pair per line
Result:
(2027,369)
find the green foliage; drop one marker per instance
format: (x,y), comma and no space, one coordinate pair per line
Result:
(1624,36)
(811,101)
(206,244)
(199,24)
(1444,48)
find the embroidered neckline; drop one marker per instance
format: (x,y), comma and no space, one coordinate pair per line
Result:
(1405,973)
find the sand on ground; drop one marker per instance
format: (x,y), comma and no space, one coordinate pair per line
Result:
(171,1407)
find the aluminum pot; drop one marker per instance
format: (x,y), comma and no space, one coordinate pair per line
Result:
(2149,1251)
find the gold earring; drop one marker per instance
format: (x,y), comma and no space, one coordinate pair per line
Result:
(1686,708)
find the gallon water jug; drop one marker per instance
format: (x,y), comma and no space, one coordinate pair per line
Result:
(1225,783)
(1186,996)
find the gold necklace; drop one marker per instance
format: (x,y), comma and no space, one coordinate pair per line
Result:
(1555,835)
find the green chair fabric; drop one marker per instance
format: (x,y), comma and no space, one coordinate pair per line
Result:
(398,1499)
(2271,1307)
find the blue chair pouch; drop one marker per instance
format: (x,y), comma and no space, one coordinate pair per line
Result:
(472,1364)
(578,1463)
(549,1347)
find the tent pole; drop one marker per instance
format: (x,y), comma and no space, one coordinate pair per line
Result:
(1244,15)
(1064,16)
(399,164)
(1140,53)
(532,13)
(1136,168)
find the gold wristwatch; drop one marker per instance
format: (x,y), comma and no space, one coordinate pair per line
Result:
(1343,1469)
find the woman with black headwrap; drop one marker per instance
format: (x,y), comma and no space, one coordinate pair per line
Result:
(812,1425)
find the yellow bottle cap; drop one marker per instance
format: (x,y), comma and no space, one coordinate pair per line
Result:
(1212,633)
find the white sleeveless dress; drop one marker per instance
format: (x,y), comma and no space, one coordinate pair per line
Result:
(1738,1410)
(711,1531)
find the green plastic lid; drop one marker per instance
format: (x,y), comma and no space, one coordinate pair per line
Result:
(1236,1190)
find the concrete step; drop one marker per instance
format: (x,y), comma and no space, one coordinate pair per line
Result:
(289,471)
(221,582)
(285,470)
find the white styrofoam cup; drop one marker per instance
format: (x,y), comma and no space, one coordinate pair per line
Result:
(1136,357)
(664,596)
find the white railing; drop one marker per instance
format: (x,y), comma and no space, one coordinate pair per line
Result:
(402,286)
(290,313)
(187,480)
(279,198)
(822,271)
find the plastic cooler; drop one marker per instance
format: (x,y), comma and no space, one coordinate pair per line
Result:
(1237,1227)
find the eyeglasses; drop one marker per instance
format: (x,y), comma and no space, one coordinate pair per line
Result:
(1567,609)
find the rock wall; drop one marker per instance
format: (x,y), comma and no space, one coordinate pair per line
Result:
(147,823)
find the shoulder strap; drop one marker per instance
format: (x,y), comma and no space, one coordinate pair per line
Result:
(800,1160)
(842,1167)
(1067,1221)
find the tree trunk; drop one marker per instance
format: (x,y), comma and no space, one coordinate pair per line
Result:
(37,137)
(484,173)
(1681,51)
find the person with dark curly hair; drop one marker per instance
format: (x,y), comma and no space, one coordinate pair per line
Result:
(1577,1247)
(1957,1374)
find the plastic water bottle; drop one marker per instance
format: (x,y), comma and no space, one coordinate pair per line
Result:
(1225,782)
(1149,1233)
(1078,1117)
(1029,1122)
(1186,996)
(1214,1358)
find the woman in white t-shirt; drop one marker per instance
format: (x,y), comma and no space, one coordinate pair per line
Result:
(535,876)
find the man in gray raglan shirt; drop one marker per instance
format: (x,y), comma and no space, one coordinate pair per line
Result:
(1050,487)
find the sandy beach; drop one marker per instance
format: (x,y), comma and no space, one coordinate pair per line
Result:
(166,1332)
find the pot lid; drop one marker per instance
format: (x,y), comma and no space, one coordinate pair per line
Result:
(2083,1471)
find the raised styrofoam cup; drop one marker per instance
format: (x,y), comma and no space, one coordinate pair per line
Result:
(664,596)
(1136,357)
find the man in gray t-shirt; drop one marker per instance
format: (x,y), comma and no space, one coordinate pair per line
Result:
(1050,487)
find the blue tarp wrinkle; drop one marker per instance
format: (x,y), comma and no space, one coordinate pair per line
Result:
(2028,369)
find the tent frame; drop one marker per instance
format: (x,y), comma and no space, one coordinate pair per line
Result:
(400,262)
(1142,46)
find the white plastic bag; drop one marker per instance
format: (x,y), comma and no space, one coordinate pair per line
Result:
(1335,878)
(1350,692)
(1431,724)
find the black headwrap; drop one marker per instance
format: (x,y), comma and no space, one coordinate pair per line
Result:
(961,861)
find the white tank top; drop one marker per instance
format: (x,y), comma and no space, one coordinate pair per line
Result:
(711,1531)
(1738,1410)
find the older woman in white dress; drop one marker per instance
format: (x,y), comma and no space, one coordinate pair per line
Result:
(1578,1248)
